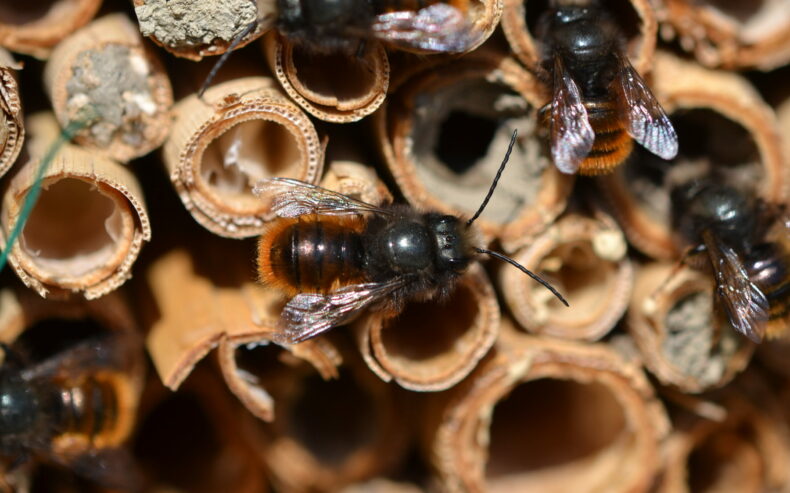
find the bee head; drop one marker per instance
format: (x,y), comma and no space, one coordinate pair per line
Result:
(453,249)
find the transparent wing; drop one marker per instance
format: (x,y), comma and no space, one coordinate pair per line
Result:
(572,135)
(646,120)
(113,468)
(293,198)
(309,314)
(744,304)
(438,27)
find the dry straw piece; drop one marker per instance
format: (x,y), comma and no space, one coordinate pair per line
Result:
(730,34)
(104,74)
(12,127)
(359,433)
(245,130)
(724,128)
(547,415)
(333,87)
(196,28)
(444,132)
(433,345)
(673,324)
(88,225)
(34,28)
(519,15)
(585,259)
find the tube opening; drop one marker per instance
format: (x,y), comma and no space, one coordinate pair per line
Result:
(73,229)
(21,13)
(248,152)
(464,139)
(270,364)
(559,430)
(430,331)
(724,462)
(51,336)
(345,424)
(332,79)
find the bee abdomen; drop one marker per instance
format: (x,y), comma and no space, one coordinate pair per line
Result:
(314,254)
(770,271)
(612,143)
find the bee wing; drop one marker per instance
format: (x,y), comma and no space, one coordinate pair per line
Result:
(572,135)
(111,468)
(310,314)
(438,27)
(744,304)
(646,120)
(293,198)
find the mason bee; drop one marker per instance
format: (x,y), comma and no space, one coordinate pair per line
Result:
(335,256)
(746,246)
(600,104)
(74,408)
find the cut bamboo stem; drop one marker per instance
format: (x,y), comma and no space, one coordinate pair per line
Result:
(247,130)
(12,127)
(89,223)
(105,75)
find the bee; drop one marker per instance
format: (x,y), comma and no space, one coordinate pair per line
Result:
(335,256)
(74,409)
(746,246)
(600,104)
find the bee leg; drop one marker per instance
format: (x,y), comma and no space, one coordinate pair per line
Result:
(12,356)
(361,48)
(20,459)
(681,263)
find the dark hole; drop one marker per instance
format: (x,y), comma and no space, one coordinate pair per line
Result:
(54,479)
(52,336)
(464,139)
(332,419)
(177,444)
(706,134)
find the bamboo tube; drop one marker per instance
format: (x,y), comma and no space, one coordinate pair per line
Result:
(89,223)
(248,131)
(585,259)
(360,432)
(547,415)
(746,451)
(193,29)
(433,345)
(12,128)
(104,70)
(34,28)
(332,87)
(731,35)
(439,117)
(197,440)
(724,128)
(680,340)
(636,18)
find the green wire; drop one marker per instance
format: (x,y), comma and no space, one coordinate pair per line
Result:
(35,190)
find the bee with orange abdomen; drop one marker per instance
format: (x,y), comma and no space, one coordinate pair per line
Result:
(746,245)
(335,255)
(600,103)
(75,409)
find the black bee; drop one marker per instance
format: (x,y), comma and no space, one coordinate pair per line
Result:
(600,104)
(75,409)
(746,246)
(336,256)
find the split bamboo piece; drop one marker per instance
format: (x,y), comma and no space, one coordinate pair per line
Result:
(12,127)
(359,433)
(745,451)
(332,87)
(197,440)
(636,18)
(245,131)
(547,415)
(724,128)
(106,72)
(34,28)
(585,259)
(193,29)
(731,35)
(432,345)
(444,132)
(89,223)
(674,326)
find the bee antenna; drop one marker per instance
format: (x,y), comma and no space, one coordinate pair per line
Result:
(525,271)
(496,179)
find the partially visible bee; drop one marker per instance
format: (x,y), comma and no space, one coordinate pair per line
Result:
(746,245)
(75,409)
(336,256)
(599,102)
